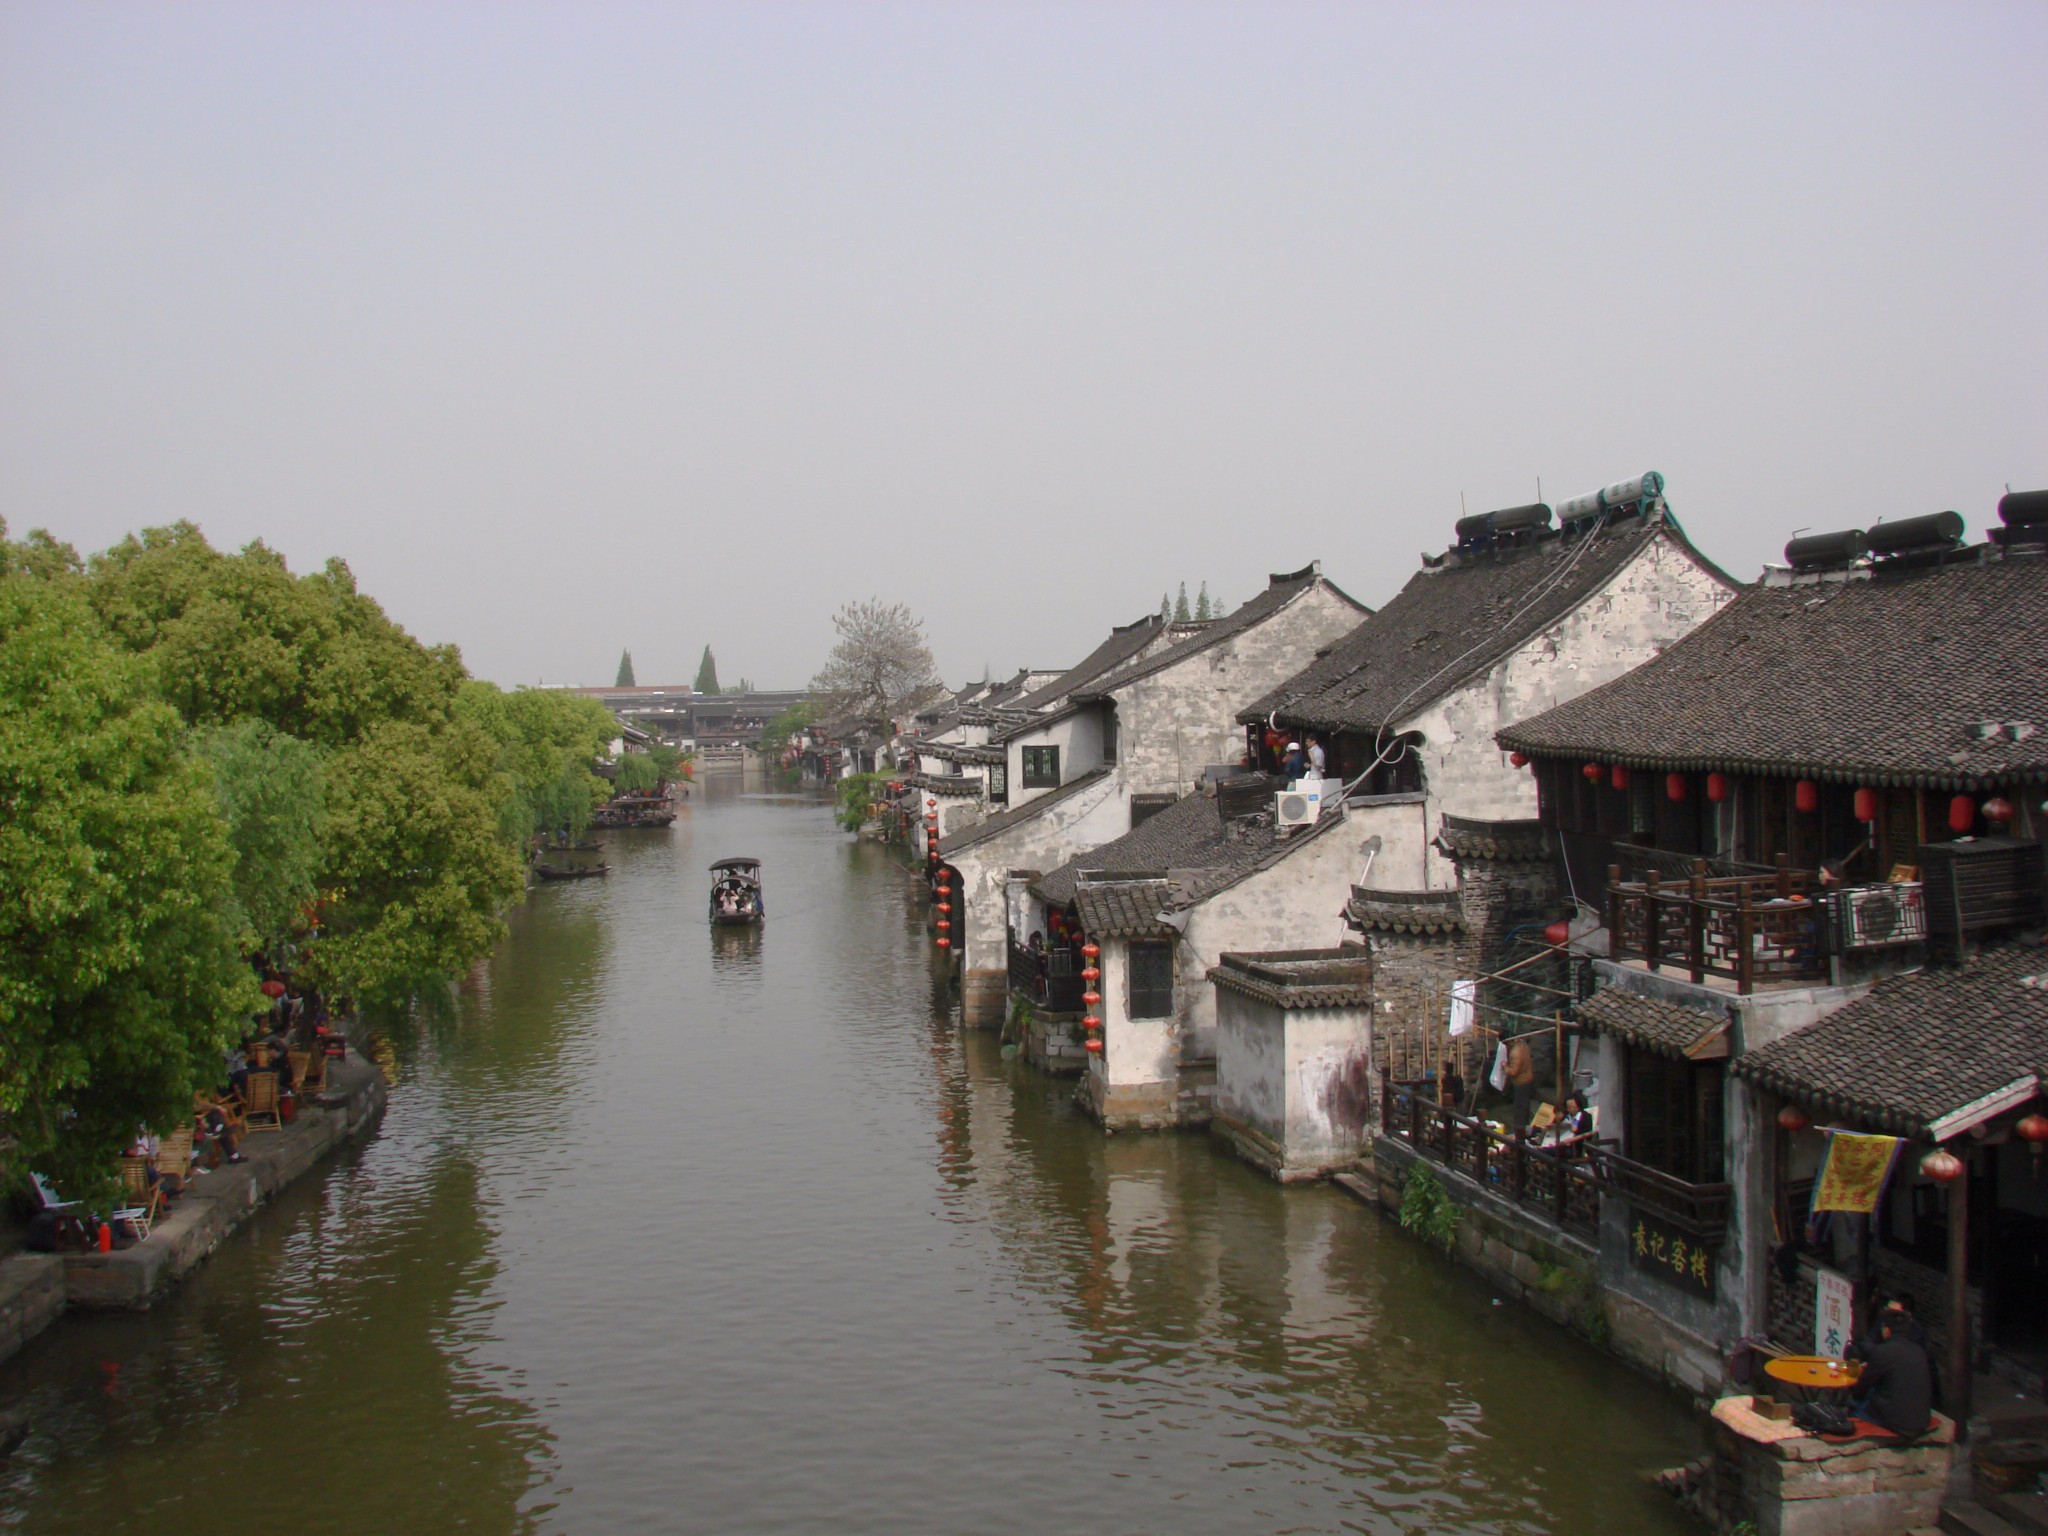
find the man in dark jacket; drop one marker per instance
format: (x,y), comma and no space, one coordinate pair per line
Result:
(1896,1389)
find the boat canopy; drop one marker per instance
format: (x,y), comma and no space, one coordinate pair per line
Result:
(737,864)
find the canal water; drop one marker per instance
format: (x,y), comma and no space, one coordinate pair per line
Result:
(670,1229)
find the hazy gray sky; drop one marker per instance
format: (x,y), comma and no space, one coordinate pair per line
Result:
(574,327)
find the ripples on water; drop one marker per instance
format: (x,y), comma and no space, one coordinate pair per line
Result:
(670,1228)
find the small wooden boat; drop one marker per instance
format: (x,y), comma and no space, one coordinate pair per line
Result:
(736,892)
(571,871)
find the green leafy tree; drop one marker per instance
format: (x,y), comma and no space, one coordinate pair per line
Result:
(272,792)
(549,741)
(1202,603)
(1180,605)
(625,679)
(418,867)
(707,673)
(858,795)
(121,976)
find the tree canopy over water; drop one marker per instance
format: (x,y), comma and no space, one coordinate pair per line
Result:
(206,759)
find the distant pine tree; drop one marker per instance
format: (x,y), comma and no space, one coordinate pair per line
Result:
(625,670)
(1165,609)
(707,673)
(1202,609)
(1180,605)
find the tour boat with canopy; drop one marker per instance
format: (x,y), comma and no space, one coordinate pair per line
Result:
(736,892)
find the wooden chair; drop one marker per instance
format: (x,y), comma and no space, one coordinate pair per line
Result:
(174,1158)
(147,1200)
(306,1070)
(260,1110)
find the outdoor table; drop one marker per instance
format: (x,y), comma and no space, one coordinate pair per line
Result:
(1814,1378)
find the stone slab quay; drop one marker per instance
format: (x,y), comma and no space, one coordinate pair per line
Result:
(217,1203)
(1797,1484)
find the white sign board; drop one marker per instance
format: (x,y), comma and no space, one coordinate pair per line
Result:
(1834,1301)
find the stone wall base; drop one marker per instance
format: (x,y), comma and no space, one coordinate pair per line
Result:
(31,1298)
(1803,1486)
(1052,1043)
(984,998)
(1268,1156)
(1182,1105)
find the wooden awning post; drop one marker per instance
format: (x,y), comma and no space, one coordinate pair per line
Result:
(1958,1371)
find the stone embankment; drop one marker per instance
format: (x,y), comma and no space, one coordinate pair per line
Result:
(35,1288)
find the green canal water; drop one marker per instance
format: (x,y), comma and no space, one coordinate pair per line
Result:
(676,1230)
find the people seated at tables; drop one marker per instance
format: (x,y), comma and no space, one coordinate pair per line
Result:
(210,1126)
(146,1146)
(1896,1389)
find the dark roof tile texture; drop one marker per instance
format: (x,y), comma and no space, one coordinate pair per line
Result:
(1451,623)
(1665,1028)
(1871,681)
(1916,1048)
(1123,909)
(993,826)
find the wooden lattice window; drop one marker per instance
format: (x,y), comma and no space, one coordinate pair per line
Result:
(1151,979)
(1041,767)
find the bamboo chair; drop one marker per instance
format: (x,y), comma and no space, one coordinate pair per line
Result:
(306,1070)
(174,1158)
(260,1110)
(149,1200)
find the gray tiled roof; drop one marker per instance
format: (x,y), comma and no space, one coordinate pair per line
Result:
(1450,623)
(1665,1028)
(1918,1047)
(993,826)
(1123,909)
(1280,591)
(1427,912)
(1465,837)
(1300,978)
(1875,681)
(1124,642)
(1190,841)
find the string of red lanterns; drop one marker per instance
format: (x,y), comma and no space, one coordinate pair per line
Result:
(1091,1021)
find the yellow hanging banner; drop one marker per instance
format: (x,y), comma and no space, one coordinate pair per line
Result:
(1854,1175)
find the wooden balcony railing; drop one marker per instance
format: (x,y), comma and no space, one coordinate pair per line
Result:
(1049,978)
(1769,927)
(1554,1183)
(1563,1185)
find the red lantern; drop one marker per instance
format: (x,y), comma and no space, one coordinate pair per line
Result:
(1793,1118)
(1866,805)
(1093,1043)
(1998,809)
(1090,974)
(1519,759)
(1559,933)
(1942,1166)
(945,906)
(1962,814)
(931,802)
(1090,999)
(1091,950)
(944,942)
(1619,778)
(1674,786)
(1806,795)
(943,924)
(2033,1130)
(1592,773)
(1717,787)
(1090,1021)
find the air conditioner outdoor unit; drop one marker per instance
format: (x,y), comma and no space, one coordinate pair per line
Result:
(1300,806)
(1880,916)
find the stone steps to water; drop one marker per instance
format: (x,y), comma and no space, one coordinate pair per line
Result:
(1966,1517)
(2026,1512)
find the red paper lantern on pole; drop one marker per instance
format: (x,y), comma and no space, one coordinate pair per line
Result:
(1592,773)
(1674,786)
(1090,1021)
(1866,805)
(945,906)
(1619,778)
(1998,809)
(1717,787)
(1558,934)
(1093,1043)
(1793,1118)
(1519,759)
(1091,950)
(944,942)
(1962,814)
(1806,795)
(2034,1131)
(1091,974)
(1090,999)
